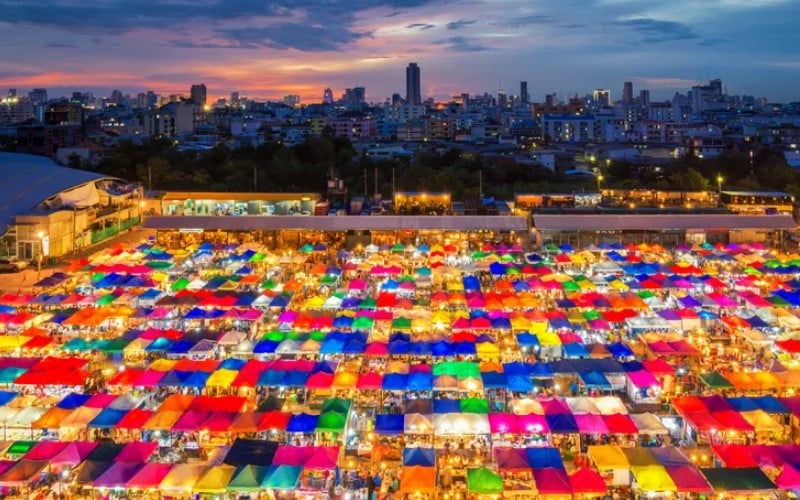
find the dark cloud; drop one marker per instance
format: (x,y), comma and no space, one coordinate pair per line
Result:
(189,44)
(573,26)
(60,45)
(462,44)
(457,25)
(292,35)
(519,22)
(421,26)
(658,31)
(330,22)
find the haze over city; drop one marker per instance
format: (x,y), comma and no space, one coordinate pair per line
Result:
(270,49)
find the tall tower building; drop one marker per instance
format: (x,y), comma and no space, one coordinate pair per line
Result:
(327,96)
(198,94)
(602,97)
(524,97)
(627,92)
(413,95)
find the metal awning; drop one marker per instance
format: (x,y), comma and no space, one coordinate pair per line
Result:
(660,222)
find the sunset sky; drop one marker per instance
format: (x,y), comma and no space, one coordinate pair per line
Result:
(266,49)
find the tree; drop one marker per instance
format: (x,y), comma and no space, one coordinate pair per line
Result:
(691,180)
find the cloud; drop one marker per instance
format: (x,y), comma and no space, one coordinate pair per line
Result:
(60,45)
(712,42)
(462,44)
(279,23)
(421,26)
(520,22)
(658,31)
(461,23)
(664,82)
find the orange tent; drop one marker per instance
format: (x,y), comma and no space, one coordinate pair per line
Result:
(418,479)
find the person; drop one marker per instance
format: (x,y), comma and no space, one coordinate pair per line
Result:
(377,481)
(370,486)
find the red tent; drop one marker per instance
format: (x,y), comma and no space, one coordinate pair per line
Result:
(552,481)
(588,482)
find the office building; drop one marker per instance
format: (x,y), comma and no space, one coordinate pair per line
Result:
(327,96)
(198,94)
(524,97)
(38,96)
(602,97)
(627,92)
(413,94)
(644,98)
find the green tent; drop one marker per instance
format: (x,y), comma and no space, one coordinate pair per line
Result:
(368,303)
(591,315)
(645,294)
(474,405)
(96,277)
(268,285)
(293,335)
(459,369)
(20,447)
(274,336)
(739,480)
(116,346)
(328,280)
(778,301)
(752,271)
(715,381)
(179,284)
(307,248)
(482,481)
(106,300)
(571,286)
(362,323)
(248,478)
(10,374)
(398,248)
(507,258)
(423,271)
(318,335)
(257,257)
(339,405)
(478,255)
(407,277)
(282,477)
(76,344)
(550,247)
(159,264)
(331,421)
(401,324)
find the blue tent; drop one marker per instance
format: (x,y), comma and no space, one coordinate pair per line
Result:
(562,423)
(743,403)
(232,364)
(494,380)
(197,380)
(389,425)
(398,347)
(270,378)
(463,348)
(331,345)
(108,418)
(7,396)
(526,339)
(771,404)
(73,400)
(390,285)
(395,382)
(279,301)
(252,452)
(181,347)
(420,348)
(195,313)
(442,348)
(501,324)
(356,344)
(575,350)
(496,269)
(516,368)
(342,322)
(294,379)
(421,457)
(542,458)
(174,378)
(303,422)
(619,350)
(265,347)
(595,380)
(161,344)
(541,370)
(471,283)
(446,406)
(519,383)
(420,381)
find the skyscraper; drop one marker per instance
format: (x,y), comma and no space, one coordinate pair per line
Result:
(413,95)
(327,96)
(602,97)
(524,98)
(627,92)
(198,94)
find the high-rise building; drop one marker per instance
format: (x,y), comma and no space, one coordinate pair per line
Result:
(12,93)
(602,97)
(327,96)
(502,100)
(716,84)
(291,100)
(413,94)
(627,92)
(116,97)
(38,96)
(198,94)
(644,97)
(524,97)
(396,99)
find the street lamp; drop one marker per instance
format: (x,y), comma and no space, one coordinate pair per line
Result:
(40,252)
(599,178)
(719,184)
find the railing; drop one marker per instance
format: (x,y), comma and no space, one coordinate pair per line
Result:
(104,234)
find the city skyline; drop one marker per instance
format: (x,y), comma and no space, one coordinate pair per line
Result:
(302,47)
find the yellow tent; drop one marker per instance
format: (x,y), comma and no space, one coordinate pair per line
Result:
(221,378)
(12,342)
(761,421)
(520,323)
(315,302)
(162,365)
(79,418)
(51,419)
(487,349)
(344,380)
(548,339)
(606,457)
(214,479)
(653,478)
(182,478)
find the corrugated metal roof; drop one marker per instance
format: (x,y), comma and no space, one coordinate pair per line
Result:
(340,223)
(28,180)
(658,222)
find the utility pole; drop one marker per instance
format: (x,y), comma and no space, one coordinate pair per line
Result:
(376,182)
(480,183)
(255,177)
(149,178)
(392,182)
(365,182)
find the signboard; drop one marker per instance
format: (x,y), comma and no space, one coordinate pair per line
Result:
(45,245)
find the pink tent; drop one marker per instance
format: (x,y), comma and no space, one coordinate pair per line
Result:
(74,453)
(587,481)
(376,349)
(532,423)
(137,452)
(369,381)
(100,400)
(643,379)
(788,479)
(149,476)
(357,285)
(502,423)
(45,450)
(323,458)
(591,424)
(293,455)
(552,481)
(688,479)
(511,458)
